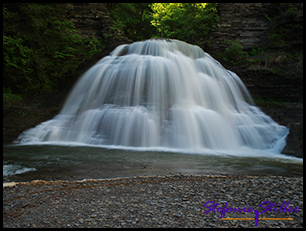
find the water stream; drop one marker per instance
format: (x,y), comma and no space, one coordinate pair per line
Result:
(160,99)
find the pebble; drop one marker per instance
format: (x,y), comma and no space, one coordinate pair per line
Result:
(150,201)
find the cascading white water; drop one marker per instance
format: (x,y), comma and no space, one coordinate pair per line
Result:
(161,93)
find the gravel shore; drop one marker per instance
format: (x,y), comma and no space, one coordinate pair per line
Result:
(153,201)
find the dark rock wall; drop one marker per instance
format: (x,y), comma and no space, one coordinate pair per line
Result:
(294,140)
(248,23)
(243,21)
(93,20)
(277,77)
(268,85)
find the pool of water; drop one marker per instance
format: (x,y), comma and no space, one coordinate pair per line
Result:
(74,162)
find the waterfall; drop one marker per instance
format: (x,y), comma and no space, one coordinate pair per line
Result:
(161,93)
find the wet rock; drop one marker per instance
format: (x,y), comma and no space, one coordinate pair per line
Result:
(294,145)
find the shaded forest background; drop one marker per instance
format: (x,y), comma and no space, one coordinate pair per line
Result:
(44,52)
(40,45)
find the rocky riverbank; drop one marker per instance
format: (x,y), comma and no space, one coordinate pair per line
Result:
(159,201)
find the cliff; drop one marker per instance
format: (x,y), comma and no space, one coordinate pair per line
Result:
(251,22)
(274,32)
(93,20)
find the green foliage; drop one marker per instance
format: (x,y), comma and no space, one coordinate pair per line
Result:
(9,97)
(93,45)
(133,19)
(234,53)
(280,25)
(275,40)
(190,22)
(289,9)
(15,55)
(268,102)
(274,33)
(40,47)
(256,50)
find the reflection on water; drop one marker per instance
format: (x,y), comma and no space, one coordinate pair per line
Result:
(53,162)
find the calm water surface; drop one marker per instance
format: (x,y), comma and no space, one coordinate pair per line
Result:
(53,162)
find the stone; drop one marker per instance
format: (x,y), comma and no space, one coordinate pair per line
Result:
(294,140)
(274,78)
(245,21)
(93,20)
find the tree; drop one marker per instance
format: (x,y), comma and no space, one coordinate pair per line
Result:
(190,22)
(133,19)
(40,47)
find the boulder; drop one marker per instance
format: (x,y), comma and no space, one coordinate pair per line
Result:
(294,146)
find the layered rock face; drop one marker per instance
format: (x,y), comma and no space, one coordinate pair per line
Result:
(276,74)
(276,86)
(244,21)
(294,145)
(249,22)
(93,20)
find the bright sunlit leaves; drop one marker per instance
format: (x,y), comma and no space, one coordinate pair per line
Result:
(183,20)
